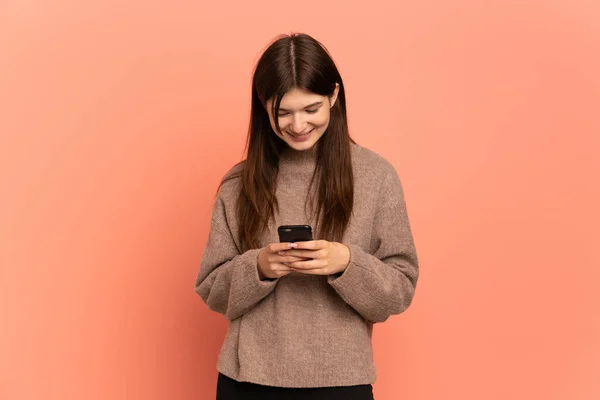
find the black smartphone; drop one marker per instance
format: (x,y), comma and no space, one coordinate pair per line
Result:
(295,233)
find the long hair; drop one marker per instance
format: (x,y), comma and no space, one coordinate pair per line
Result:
(295,61)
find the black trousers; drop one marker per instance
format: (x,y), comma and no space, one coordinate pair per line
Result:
(229,389)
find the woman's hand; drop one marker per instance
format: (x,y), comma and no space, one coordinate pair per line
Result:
(271,260)
(320,257)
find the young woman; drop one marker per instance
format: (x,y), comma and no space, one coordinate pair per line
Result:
(301,314)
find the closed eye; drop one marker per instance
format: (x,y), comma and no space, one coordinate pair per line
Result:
(283,112)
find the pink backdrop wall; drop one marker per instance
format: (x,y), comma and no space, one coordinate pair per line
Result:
(119,118)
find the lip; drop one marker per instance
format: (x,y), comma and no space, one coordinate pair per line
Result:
(301,138)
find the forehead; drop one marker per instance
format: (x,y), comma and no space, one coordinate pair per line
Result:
(297,99)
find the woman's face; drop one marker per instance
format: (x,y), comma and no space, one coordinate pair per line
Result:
(303,117)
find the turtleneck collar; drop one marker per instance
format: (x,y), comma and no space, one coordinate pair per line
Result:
(306,158)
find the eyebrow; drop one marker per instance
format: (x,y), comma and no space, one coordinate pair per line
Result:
(317,103)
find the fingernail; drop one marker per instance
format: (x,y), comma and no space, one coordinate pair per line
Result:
(293,245)
(281,253)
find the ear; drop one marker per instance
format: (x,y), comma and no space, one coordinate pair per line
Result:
(334,96)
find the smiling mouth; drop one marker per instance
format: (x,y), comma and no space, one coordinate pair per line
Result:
(302,135)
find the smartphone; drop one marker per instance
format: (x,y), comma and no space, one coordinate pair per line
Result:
(295,233)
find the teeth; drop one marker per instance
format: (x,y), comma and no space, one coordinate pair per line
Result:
(302,134)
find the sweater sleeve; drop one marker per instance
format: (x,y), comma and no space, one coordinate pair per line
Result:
(228,281)
(383,283)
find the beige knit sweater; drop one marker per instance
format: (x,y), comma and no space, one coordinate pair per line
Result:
(306,330)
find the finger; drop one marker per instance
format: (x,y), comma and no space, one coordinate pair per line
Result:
(308,265)
(274,259)
(304,253)
(277,247)
(312,271)
(290,259)
(281,268)
(279,274)
(312,245)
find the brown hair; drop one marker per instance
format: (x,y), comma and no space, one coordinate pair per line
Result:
(295,61)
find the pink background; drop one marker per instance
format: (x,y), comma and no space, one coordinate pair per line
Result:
(117,120)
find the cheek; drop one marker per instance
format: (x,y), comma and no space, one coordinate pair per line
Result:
(321,120)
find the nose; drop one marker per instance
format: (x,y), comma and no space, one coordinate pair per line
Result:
(298,123)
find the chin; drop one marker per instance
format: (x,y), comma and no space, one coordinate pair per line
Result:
(300,146)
